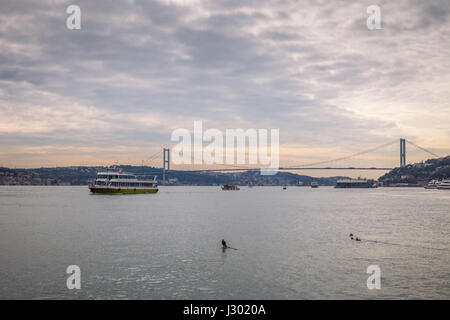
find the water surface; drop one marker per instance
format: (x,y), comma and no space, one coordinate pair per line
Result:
(292,244)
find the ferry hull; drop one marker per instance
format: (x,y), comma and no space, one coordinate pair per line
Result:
(119,190)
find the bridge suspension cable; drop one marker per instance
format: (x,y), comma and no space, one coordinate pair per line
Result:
(153,157)
(349,156)
(423,149)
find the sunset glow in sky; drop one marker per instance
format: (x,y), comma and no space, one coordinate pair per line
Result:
(137,70)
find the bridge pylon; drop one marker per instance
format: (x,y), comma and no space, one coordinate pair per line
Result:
(166,160)
(402,153)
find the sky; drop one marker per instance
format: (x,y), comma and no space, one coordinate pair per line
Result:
(115,90)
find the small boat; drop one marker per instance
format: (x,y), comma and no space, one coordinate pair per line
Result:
(230,187)
(444,185)
(120,182)
(284,187)
(433,184)
(314,184)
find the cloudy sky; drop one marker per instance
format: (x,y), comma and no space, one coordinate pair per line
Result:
(137,70)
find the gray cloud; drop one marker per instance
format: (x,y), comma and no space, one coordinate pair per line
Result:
(137,70)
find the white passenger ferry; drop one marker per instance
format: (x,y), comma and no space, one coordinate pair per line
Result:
(122,182)
(433,184)
(444,185)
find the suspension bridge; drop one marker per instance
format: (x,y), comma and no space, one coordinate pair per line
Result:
(319,165)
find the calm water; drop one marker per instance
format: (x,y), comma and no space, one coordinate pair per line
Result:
(293,244)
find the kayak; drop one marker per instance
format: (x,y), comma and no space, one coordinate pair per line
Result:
(223,247)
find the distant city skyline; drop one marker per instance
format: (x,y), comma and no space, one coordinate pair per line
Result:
(114,90)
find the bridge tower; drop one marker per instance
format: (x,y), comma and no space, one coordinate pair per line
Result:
(166,160)
(402,152)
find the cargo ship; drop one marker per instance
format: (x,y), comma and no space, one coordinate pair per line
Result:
(121,182)
(355,183)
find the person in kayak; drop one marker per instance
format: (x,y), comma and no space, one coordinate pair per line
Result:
(224,244)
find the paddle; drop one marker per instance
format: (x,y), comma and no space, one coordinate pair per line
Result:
(229,248)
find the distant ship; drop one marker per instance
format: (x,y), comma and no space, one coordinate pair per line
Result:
(444,185)
(433,184)
(302,184)
(314,184)
(354,183)
(121,182)
(230,187)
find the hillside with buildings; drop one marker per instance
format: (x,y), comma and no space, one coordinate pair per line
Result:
(83,175)
(419,173)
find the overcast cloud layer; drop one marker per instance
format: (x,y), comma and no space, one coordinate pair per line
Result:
(139,69)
